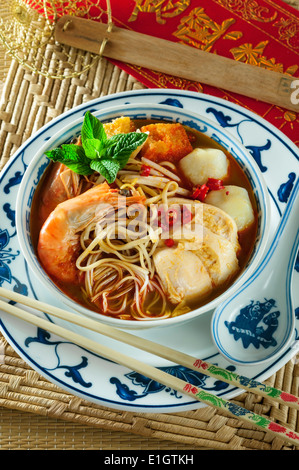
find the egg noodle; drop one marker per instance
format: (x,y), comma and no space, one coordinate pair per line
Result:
(118,247)
(142,229)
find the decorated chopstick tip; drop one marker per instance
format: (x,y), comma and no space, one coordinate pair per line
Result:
(189,388)
(239,412)
(285,433)
(289,398)
(199,364)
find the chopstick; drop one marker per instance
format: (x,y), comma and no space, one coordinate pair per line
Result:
(164,352)
(151,372)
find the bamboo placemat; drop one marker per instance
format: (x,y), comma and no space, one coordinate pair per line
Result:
(34,413)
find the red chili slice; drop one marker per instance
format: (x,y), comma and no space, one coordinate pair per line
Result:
(214,184)
(145,170)
(169,242)
(200,192)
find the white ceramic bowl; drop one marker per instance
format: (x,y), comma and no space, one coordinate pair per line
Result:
(40,162)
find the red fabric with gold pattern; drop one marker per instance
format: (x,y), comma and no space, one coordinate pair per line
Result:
(264,33)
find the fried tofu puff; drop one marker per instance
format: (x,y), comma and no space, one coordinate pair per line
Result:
(122,125)
(166,142)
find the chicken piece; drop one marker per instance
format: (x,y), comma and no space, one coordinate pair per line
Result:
(221,223)
(122,125)
(201,164)
(217,254)
(166,142)
(182,274)
(219,257)
(211,217)
(205,255)
(235,201)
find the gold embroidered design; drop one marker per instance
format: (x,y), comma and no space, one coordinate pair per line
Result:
(162,8)
(288,118)
(288,30)
(255,56)
(177,82)
(200,31)
(234,35)
(163,80)
(249,10)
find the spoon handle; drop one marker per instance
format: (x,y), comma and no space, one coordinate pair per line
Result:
(259,316)
(285,238)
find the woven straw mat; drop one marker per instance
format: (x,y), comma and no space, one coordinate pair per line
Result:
(34,413)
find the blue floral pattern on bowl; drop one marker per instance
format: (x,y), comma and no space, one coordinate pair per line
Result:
(94,378)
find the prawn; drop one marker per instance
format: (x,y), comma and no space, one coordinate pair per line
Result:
(62,184)
(59,239)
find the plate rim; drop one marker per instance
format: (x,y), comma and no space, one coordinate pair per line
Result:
(116,96)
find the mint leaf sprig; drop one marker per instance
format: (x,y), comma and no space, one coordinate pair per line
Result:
(98,152)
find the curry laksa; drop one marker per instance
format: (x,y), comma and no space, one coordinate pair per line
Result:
(142,220)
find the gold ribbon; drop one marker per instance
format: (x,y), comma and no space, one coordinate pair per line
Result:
(25,33)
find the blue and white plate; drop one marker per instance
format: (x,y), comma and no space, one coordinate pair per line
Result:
(89,376)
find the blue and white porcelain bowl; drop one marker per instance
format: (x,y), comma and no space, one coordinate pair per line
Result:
(40,161)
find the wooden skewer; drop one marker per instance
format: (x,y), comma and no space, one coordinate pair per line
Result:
(149,371)
(179,60)
(165,352)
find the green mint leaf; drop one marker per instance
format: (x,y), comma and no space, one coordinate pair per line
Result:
(93,135)
(93,148)
(57,154)
(72,156)
(106,167)
(120,146)
(92,128)
(98,153)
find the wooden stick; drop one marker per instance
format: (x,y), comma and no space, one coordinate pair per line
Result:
(157,375)
(179,60)
(159,350)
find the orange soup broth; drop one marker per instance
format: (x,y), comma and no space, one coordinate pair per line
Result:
(236,176)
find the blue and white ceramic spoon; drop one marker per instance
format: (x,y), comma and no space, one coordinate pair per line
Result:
(257,323)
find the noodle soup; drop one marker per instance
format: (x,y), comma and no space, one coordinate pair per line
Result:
(171,232)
